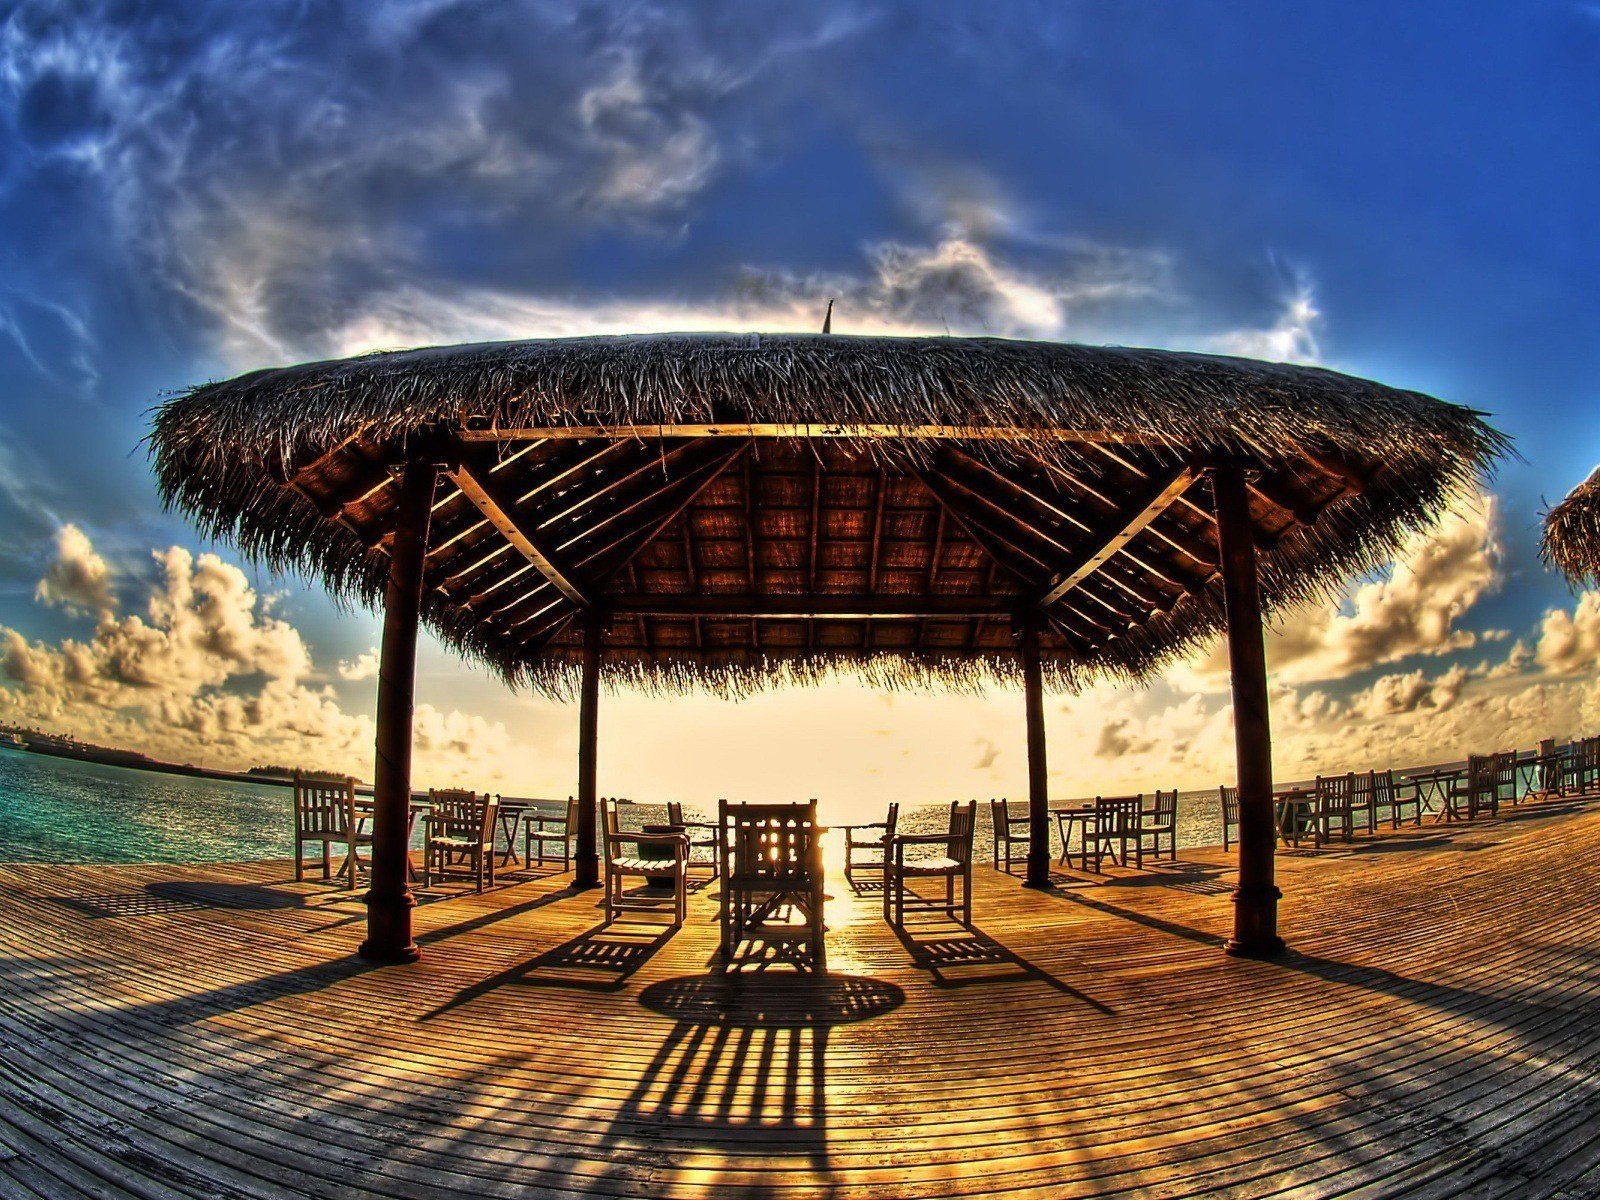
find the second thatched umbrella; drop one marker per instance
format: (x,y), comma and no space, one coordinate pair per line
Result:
(1572,533)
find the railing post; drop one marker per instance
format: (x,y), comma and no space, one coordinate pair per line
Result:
(586,860)
(389,898)
(1255,899)
(1038,773)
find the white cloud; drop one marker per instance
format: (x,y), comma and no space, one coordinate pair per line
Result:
(78,580)
(1292,338)
(1569,642)
(363,666)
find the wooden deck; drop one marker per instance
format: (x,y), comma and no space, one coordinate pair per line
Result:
(187,1031)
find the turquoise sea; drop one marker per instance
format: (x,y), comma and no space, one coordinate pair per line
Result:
(62,810)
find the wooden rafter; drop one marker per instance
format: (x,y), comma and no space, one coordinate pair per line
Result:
(485,496)
(1119,536)
(760,606)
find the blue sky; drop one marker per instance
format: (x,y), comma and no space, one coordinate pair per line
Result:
(187,191)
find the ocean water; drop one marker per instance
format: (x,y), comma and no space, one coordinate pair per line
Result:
(62,810)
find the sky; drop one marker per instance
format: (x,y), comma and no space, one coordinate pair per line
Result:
(188,191)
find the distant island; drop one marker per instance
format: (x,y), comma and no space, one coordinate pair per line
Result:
(64,745)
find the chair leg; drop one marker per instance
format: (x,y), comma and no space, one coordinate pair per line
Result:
(299,861)
(327,860)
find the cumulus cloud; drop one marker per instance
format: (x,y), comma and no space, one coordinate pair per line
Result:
(206,674)
(78,580)
(1291,338)
(362,666)
(1415,608)
(1569,642)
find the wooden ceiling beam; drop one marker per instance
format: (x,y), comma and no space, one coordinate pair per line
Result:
(546,559)
(793,431)
(805,608)
(1118,536)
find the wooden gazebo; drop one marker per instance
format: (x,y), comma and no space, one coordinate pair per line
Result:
(739,511)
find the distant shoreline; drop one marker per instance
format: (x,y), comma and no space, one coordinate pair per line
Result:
(109,757)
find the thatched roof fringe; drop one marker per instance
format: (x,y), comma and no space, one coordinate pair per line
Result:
(1571,542)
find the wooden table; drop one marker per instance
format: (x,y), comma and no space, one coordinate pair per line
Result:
(1081,815)
(365,806)
(1295,810)
(1437,786)
(510,816)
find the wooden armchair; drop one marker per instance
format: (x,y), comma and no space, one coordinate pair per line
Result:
(1230,812)
(1393,794)
(547,836)
(1364,801)
(872,837)
(325,815)
(954,863)
(773,861)
(625,859)
(1161,821)
(1115,829)
(460,837)
(702,838)
(1006,835)
(1477,791)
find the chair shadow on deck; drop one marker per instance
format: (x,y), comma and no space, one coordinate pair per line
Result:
(746,1059)
(601,959)
(958,956)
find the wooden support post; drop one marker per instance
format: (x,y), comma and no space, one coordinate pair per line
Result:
(1038,775)
(1255,900)
(389,899)
(586,860)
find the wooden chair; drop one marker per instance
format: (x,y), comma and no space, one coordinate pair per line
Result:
(1230,812)
(1550,777)
(1391,794)
(871,837)
(1331,811)
(954,863)
(1363,801)
(543,830)
(1006,836)
(772,860)
(460,837)
(1161,821)
(1116,823)
(1505,778)
(325,814)
(1583,767)
(701,839)
(671,856)
(1477,791)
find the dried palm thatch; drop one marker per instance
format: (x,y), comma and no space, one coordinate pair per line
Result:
(961,483)
(1572,533)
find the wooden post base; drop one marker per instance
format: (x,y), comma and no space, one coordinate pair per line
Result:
(1255,924)
(585,874)
(389,937)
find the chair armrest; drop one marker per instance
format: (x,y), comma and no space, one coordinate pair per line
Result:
(652,839)
(919,839)
(866,825)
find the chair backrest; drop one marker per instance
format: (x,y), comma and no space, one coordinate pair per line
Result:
(1505,775)
(1000,814)
(455,813)
(1166,805)
(1333,792)
(674,812)
(1383,788)
(1230,804)
(1118,816)
(1480,774)
(1364,790)
(963,819)
(324,804)
(610,821)
(891,820)
(772,845)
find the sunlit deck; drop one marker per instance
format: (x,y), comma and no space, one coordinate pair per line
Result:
(208,1031)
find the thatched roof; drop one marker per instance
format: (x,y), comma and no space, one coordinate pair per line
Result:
(743,510)
(1572,533)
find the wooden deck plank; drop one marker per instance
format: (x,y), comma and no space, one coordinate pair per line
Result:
(205,1030)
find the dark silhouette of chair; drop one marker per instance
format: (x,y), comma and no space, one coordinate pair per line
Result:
(1006,836)
(460,837)
(654,855)
(1390,793)
(702,838)
(1331,814)
(772,861)
(1363,801)
(1477,790)
(955,863)
(1160,821)
(870,838)
(1230,812)
(1115,830)
(325,815)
